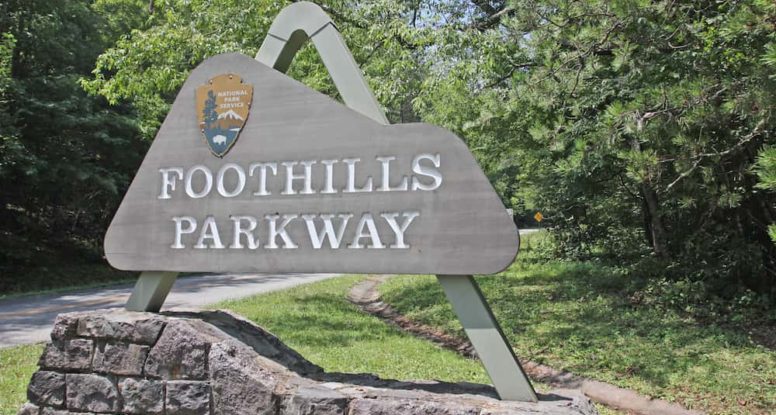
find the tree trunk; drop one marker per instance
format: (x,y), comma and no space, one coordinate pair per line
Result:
(656,232)
(657,235)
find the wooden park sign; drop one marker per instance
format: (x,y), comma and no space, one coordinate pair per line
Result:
(252,171)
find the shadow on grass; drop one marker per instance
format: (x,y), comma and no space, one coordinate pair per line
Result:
(578,317)
(271,347)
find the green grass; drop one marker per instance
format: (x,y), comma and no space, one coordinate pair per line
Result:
(578,317)
(322,325)
(17,364)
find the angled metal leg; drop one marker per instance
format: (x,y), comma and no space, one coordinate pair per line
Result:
(150,291)
(303,20)
(487,338)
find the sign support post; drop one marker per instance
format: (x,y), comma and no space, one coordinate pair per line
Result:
(291,28)
(150,291)
(486,336)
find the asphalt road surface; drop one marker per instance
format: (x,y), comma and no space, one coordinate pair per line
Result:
(28,319)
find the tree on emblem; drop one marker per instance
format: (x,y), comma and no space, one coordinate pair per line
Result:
(209,115)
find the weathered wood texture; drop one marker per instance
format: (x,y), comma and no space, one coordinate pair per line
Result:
(463,227)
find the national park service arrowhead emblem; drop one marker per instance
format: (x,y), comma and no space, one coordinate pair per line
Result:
(222,109)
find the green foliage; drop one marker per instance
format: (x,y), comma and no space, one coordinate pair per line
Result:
(65,157)
(7,129)
(766,166)
(389,39)
(632,125)
(7,44)
(149,64)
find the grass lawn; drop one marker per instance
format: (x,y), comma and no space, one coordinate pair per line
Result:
(322,325)
(17,365)
(575,316)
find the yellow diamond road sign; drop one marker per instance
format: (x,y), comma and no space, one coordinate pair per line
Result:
(538,216)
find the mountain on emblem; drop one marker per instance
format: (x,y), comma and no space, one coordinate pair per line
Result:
(222,108)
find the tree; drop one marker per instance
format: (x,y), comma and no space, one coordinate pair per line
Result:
(66,157)
(633,124)
(209,114)
(8,133)
(149,66)
(649,116)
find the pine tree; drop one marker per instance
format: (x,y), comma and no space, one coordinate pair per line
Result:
(209,114)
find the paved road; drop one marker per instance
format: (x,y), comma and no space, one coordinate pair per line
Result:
(28,319)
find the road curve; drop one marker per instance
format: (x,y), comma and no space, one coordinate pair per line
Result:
(28,319)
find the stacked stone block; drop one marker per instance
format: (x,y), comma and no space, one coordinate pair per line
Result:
(216,363)
(108,364)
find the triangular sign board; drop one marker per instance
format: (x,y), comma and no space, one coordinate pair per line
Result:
(252,171)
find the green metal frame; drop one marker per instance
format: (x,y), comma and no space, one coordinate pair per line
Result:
(295,25)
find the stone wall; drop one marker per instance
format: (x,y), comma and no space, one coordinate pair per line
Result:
(214,363)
